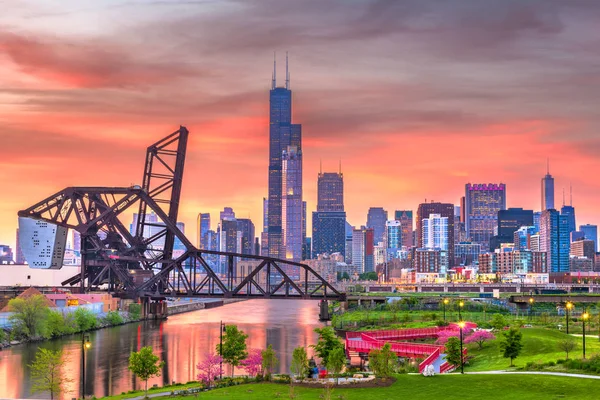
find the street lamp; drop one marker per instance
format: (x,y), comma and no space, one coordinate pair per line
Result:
(584,318)
(460,306)
(221,328)
(85,345)
(531,300)
(568,307)
(445,302)
(461,325)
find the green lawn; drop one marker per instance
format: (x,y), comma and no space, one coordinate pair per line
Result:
(539,345)
(463,387)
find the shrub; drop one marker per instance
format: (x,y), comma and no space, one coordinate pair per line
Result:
(85,319)
(135,311)
(114,318)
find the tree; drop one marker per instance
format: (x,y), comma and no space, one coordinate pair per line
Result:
(209,369)
(453,355)
(234,347)
(29,315)
(145,365)
(336,361)
(253,363)
(498,322)
(567,345)
(55,324)
(47,374)
(369,276)
(480,337)
(86,320)
(269,361)
(446,334)
(511,345)
(327,342)
(299,364)
(382,361)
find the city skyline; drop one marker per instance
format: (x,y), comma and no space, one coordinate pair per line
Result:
(59,111)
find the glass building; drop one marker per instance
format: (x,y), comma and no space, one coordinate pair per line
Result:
(329,221)
(483,202)
(376,219)
(554,240)
(292,207)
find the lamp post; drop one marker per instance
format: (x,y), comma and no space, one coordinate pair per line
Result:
(221,350)
(461,325)
(445,302)
(584,318)
(85,345)
(568,307)
(531,300)
(460,306)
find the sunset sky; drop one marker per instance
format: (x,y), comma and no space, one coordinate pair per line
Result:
(417,98)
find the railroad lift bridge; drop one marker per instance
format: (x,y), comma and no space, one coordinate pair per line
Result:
(141,263)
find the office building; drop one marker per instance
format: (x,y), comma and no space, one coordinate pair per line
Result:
(283,135)
(43,244)
(393,236)
(292,210)
(376,219)
(431,261)
(554,240)
(466,253)
(569,212)
(330,191)
(406,220)
(483,202)
(362,249)
(547,191)
(247,229)
(329,221)
(6,254)
(522,237)
(536,220)
(584,249)
(435,232)
(509,221)
(445,210)
(590,232)
(203,228)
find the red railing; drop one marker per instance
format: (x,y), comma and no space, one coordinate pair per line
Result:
(432,357)
(445,367)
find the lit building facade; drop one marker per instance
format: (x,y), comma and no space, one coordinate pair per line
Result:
(554,240)
(444,210)
(292,209)
(435,232)
(483,202)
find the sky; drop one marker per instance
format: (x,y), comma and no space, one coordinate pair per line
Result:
(416,98)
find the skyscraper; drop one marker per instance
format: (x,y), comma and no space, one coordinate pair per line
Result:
(282,135)
(376,219)
(246,227)
(554,240)
(509,221)
(292,210)
(203,228)
(406,221)
(482,203)
(435,232)
(590,232)
(362,249)
(444,210)
(547,190)
(329,221)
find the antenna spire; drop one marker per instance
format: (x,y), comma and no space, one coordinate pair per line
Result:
(571,194)
(340,166)
(321,166)
(548,166)
(287,72)
(563,197)
(274,77)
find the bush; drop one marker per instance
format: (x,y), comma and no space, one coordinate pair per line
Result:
(3,335)
(135,311)
(85,319)
(441,322)
(114,318)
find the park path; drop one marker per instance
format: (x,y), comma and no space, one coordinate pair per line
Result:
(533,373)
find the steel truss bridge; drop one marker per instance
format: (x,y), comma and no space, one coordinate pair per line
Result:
(142,262)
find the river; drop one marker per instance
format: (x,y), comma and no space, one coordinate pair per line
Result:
(182,341)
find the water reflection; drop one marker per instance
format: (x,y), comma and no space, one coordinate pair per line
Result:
(182,342)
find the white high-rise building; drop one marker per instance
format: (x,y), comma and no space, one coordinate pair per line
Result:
(42,243)
(435,232)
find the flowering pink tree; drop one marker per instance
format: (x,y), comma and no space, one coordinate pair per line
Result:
(210,369)
(253,363)
(480,337)
(444,335)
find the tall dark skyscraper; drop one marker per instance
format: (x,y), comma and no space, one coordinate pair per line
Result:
(482,203)
(376,219)
(203,228)
(282,136)
(445,210)
(330,191)
(329,221)
(509,221)
(246,227)
(547,190)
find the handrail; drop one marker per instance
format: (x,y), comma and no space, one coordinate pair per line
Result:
(433,356)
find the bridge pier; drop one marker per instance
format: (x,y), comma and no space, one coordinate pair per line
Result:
(480,288)
(446,288)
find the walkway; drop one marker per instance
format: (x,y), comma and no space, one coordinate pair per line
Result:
(534,373)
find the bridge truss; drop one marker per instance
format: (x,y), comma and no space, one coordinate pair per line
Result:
(142,261)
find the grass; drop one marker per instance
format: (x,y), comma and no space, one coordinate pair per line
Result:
(539,345)
(463,387)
